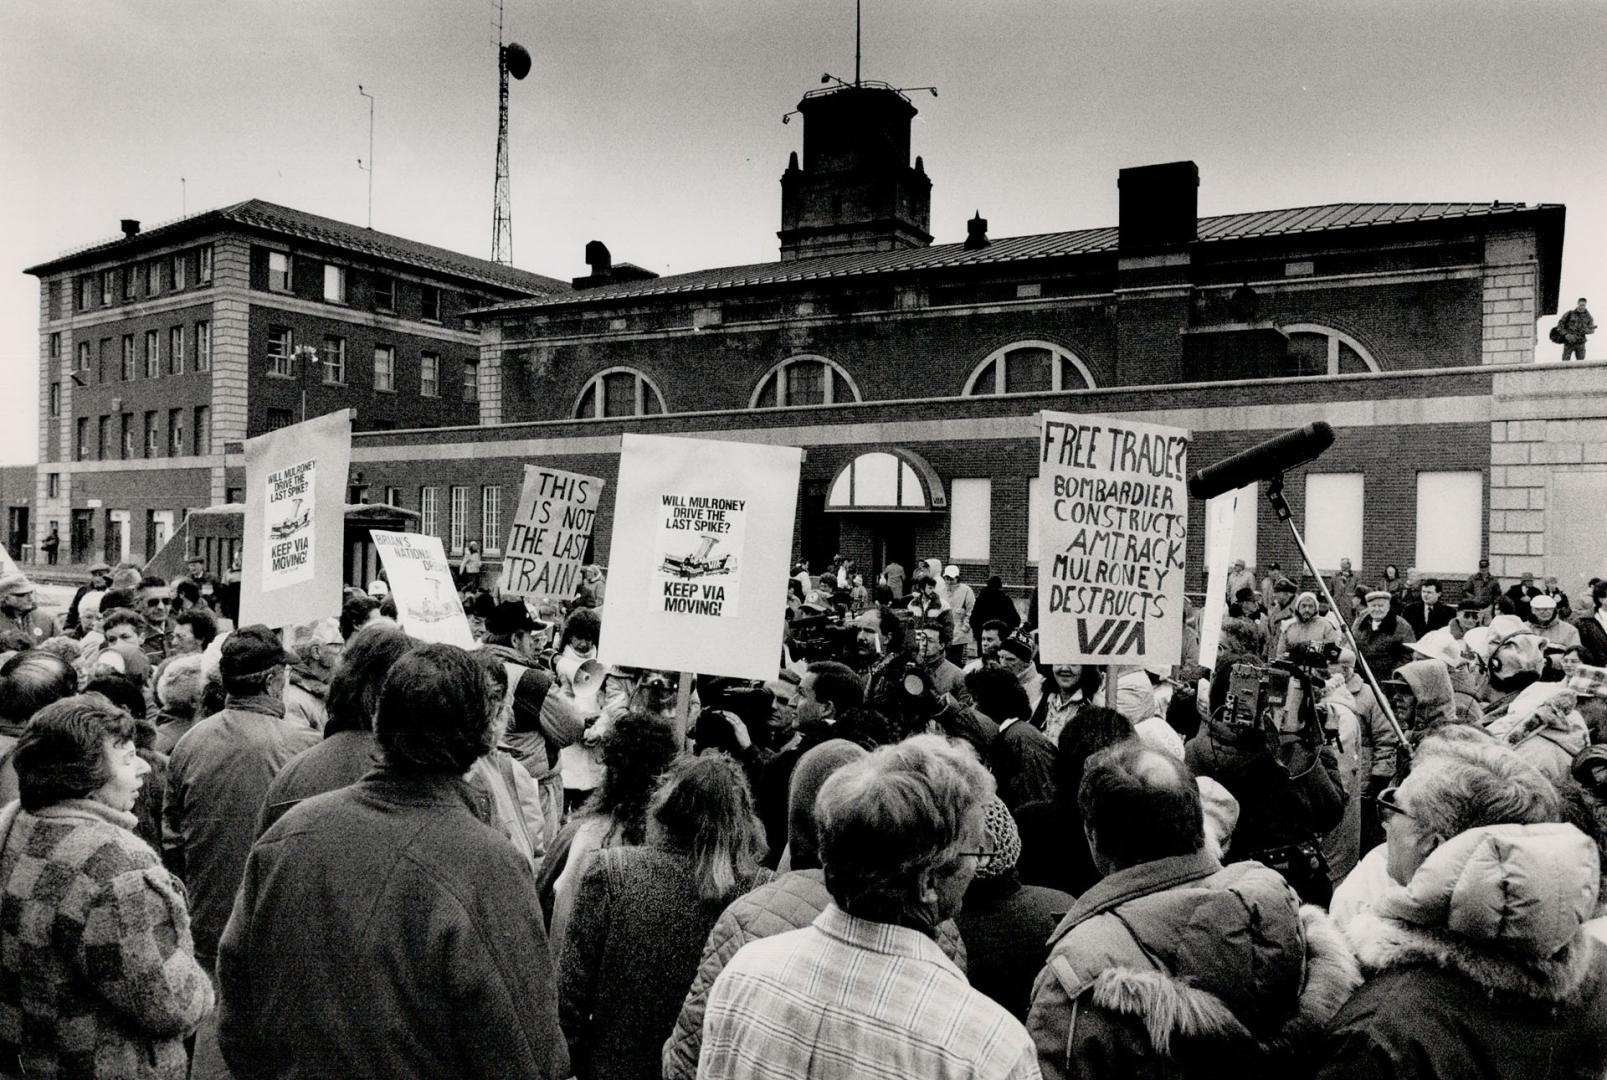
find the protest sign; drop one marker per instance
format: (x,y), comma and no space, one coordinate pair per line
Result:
(6,565)
(295,522)
(547,541)
(1112,528)
(427,602)
(1221,515)
(699,555)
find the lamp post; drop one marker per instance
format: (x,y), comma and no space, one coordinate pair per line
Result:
(309,359)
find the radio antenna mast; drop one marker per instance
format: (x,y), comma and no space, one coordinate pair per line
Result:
(369,166)
(512,59)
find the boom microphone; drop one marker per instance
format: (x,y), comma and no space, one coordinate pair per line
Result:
(1263,460)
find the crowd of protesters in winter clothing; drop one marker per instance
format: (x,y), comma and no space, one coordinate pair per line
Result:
(917,851)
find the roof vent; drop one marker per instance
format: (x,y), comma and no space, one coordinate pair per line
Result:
(130,227)
(976,233)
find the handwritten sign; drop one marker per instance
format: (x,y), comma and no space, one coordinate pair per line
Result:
(548,538)
(1113,529)
(294,533)
(699,555)
(427,602)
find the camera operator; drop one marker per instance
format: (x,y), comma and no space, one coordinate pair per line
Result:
(918,687)
(1263,741)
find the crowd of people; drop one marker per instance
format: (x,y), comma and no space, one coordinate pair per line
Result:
(335,850)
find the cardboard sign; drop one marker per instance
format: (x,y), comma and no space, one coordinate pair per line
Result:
(1113,529)
(295,522)
(547,541)
(1220,514)
(699,556)
(427,603)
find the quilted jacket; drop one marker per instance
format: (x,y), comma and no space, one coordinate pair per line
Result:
(790,902)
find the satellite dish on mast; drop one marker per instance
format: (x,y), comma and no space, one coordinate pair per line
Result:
(516,58)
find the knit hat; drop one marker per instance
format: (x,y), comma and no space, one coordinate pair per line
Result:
(1303,597)
(1378,594)
(1002,839)
(803,839)
(1017,646)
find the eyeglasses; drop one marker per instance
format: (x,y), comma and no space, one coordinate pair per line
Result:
(155,601)
(983,858)
(1389,804)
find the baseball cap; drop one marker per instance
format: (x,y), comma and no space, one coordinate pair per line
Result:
(1378,594)
(510,617)
(101,568)
(251,650)
(379,589)
(1543,601)
(951,571)
(15,584)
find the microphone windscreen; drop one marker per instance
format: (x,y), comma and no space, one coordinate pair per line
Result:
(1263,460)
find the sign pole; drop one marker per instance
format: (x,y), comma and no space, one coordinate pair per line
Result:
(683,707)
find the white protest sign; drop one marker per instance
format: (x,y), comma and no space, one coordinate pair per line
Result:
(699,556)
(427,601)
(1112,528)
(6,565)
(295,522)
(547,541)
(1221,513)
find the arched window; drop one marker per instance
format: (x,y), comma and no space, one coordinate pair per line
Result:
(1322,350)
(619,391)
(1026,367)
(804,380)
(882,480)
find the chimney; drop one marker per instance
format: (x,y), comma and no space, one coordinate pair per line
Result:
(976,233)
(1160,206)
(130,228)
(598,258)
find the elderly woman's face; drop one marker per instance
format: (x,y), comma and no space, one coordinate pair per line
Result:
(1408,843)
(128,773)
(950,882)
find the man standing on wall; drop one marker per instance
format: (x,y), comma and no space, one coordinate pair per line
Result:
(1572,327)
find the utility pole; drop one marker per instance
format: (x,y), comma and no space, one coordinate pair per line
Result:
(369,168)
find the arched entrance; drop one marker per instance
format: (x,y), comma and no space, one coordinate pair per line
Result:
(879,500)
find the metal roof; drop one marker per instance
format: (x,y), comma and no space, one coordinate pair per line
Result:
(1255,224)
(284,221)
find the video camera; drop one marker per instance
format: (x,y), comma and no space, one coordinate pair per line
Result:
(1278,697)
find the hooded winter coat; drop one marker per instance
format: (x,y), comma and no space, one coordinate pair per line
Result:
(1432,692)
(1182,968)
(1543,726)
(1479,967)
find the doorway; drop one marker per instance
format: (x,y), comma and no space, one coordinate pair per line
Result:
(16,531)
(892,539)
(81,535)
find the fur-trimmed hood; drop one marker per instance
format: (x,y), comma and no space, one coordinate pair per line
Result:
(1171,1009)
(1503,906)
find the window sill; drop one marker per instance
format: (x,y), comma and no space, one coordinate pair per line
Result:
(339,384)
(279,375)
(383,390)
(427,319)
(432,397)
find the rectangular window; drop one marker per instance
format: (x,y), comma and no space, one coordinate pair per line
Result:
(393,496)
(430,303)
(175,432)
(104,430)
(204,265)
(175,351)
(128,357)
(104,359)
(384,293)
(127,435)
(53,485)
(334,283)
(279,271)
(458,523)
(429,375)
(153,278)
(130,276)
(970,520)
(279,418)
(384,367)
(1450,521)
(1034,497)
(53,298)
(153,354)
(181,266)
(106,277)
(491,518)
(281,345)
(152,436)
(1246,507)
(1334,519)
(471,380)
(83,356)
(81,438)
(55,345)
(428,523)
(334,356)
(55,399)
(203,346)
(203,429)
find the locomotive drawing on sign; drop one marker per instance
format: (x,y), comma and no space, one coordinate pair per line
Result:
(699,565)
(299,519)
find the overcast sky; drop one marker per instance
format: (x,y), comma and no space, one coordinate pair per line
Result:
(656,128)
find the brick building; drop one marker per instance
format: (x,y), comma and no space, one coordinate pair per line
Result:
(160,349)
(912,372)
